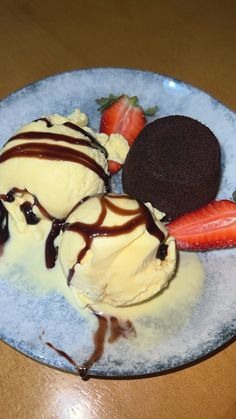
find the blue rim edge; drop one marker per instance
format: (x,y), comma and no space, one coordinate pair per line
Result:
(226,336)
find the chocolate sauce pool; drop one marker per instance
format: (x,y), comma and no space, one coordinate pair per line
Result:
(141,215)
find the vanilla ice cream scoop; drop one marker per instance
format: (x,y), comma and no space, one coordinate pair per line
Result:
(115,250)
(48,166)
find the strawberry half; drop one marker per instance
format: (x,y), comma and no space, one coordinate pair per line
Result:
(123,115)
(210,227)
(113,166)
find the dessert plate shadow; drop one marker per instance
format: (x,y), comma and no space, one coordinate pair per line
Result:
(28,320)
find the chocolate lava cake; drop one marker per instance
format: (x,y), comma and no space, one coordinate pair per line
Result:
(174,164)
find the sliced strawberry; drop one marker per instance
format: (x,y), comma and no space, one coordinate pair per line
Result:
(210,227)
(113,166)
(112,113)
(132,123)
(123,115)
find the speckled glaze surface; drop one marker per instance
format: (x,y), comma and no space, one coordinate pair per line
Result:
(23,317)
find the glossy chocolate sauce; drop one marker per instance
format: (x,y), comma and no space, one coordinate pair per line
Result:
(109,324)
(118,329)
(32,219)
(43,210)
(10,196)
(51,250)
(77,128)
(38,135)
(54,152)
(62,353)
(47,122)
(94,141)
(142,215)
(162,251)
(4,231)
(99,340)
(30,216)
(51,152)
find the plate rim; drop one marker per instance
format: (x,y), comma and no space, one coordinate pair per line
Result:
(126,69)
(229,338)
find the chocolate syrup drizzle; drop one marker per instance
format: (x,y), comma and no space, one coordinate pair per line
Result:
(39,135)
(87,134)
(54,152)
(30,217)
(141,214)
(58,152)
(116,329)
(62,353)
(47,122)
(4,231)
(162,251)
(47,151)
(79,129)
(51,250)
(10,196)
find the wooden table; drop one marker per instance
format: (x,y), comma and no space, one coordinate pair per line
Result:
(190,40)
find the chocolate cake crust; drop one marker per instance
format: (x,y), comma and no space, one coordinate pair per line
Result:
(175,163)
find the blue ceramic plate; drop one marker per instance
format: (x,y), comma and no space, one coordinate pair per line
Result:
(211,322)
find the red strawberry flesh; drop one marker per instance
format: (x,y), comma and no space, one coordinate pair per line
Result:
(132,123)
(113,166)
(123,115)
(210,227)
(112,116)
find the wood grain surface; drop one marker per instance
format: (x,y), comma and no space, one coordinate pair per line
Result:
(190,40)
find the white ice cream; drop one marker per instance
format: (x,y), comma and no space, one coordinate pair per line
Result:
(118,269)
(58,184)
